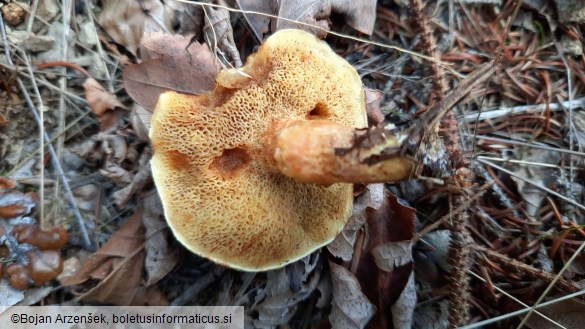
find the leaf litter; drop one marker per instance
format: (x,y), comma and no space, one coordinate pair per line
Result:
(369,266)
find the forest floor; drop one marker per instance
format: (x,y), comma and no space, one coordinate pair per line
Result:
(489,232)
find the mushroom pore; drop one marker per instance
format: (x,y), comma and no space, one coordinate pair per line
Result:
(221,171)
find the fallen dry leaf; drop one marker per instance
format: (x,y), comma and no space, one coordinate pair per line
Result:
(139,180)
(373,100)
(403,308)
(276,303)
(98,98)
(429,316)
(181,66)
(260,24)
(543,176)
(218,32)
(126,21)
(140,118)
(15,204)
(361,15)
(343,244)
(3,120)
(8,295)
(6,183)
(34,295)
(310,12)
(117,269)
(116,173)
(350,307)
(385,268)
(105,105)
(160,258)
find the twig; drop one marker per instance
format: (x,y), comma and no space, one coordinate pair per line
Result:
(504,111)
(482,324)
(100,50)
(459,257)
(42,142)
(535,273)
(457,210)
(54,159)
(65,64)
(504,198)
(341,35)
(536,145)
(552,284)
(63,84)
(13,68)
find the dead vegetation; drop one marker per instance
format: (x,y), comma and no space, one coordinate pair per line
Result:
(489,232)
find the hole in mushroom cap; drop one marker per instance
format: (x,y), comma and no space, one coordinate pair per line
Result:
(230,161)
(320,111)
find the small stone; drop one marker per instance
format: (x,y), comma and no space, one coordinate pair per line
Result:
(38,43)
(70,267)
(47,10)
(571,10)
(56,53)
(87,35)
(31,41)
(571,46)
(13,14)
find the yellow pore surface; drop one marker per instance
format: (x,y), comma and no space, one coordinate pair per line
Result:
(223,196)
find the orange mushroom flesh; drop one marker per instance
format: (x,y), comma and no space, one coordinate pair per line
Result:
(216,160)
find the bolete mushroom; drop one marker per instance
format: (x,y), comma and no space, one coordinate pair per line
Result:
(222,170)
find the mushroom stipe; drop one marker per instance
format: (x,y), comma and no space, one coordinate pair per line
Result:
(247,173)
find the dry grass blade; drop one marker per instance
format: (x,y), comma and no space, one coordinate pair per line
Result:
(54,158)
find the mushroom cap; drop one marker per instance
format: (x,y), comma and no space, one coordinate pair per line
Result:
(213,161)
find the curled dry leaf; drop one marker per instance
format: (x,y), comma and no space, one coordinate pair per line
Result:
(116,173)
(403,308)
(139,179)
(385,266)
(285,288)
(181,65)
(218,31)
(343,244)
(98,98)
(350,307)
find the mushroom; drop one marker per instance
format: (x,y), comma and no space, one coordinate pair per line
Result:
(221,164)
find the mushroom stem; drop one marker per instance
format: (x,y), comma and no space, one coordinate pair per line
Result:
(323,152)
